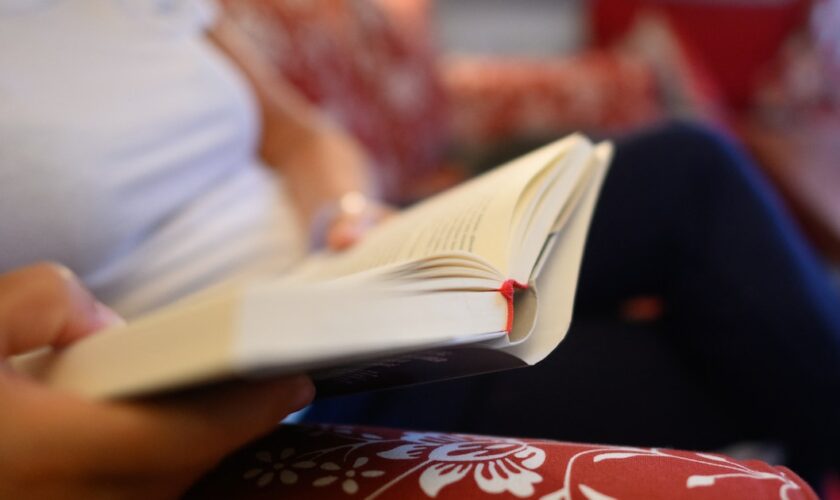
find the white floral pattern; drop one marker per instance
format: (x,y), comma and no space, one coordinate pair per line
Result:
(349,461)
(733,469)
(349,485)
(270,469)
(497,464)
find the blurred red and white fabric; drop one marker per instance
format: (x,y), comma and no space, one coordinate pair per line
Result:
(497,99)
(362,69)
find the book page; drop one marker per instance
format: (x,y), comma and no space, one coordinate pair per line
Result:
(476,217)
(549,206)
(556,282)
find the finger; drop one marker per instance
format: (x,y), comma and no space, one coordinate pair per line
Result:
(348,229)
(45,305)
(182,435)
(222,419)
(200,428)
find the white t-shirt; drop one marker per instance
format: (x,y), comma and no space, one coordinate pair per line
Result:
(128,151)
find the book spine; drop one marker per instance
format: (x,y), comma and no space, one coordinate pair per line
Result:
(507,290)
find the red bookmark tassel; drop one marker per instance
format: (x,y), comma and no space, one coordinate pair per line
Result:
(507,290)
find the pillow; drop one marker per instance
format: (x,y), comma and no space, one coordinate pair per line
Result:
(355,462)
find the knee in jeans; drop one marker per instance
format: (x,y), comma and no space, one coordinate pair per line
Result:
(706,152)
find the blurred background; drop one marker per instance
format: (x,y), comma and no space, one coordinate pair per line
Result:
(763,71)
(438,90)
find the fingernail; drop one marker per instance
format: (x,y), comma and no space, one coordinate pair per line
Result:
(64,272)
(106,317)
(344,237)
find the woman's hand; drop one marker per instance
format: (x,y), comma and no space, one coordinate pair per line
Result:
(339,225)
(56,445)
(327,177)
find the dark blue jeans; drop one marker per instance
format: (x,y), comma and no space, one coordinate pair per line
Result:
(748,345)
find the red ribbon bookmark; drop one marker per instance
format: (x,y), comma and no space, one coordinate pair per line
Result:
(507,290)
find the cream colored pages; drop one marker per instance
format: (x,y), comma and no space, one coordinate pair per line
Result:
(557,281)
(545,206)
(477,217)
(325,323)
(269,329)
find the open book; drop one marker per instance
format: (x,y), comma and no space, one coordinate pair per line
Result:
(479,278)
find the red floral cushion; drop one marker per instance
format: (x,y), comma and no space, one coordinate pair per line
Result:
(340,461)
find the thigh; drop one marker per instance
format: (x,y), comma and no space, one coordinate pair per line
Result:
(607,382)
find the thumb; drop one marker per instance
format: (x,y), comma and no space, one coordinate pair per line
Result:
(196,427)
(351,227)
(46,305)
(346,231)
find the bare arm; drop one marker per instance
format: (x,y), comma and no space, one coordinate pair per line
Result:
(319,161)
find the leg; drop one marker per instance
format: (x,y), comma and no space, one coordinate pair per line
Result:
(748,306)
